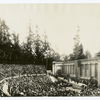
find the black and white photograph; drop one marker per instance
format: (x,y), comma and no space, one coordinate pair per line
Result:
(50,50)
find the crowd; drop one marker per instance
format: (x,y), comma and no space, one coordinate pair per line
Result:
(29,85)
(36,86)
(91,83)
(11,70)
(42,85)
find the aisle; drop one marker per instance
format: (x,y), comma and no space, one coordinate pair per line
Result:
(5,88)
(53,79)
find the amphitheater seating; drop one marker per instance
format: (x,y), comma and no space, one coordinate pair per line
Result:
(10,70)
(25,81)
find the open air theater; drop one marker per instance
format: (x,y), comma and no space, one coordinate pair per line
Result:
(76,78)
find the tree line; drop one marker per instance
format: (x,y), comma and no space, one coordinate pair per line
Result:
(78,51)
(35,50)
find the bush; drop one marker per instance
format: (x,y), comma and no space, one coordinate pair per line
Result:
(58,73)
(93,82)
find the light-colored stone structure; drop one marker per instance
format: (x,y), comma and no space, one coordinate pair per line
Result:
(84,68)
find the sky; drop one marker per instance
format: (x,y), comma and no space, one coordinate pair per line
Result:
(61,21)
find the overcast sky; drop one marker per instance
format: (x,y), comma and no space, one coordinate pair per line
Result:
(61,21)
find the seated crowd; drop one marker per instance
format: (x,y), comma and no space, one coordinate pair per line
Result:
(37,86)
(42,85)
(10,70)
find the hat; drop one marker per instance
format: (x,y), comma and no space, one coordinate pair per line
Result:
(21,93)
(98,91)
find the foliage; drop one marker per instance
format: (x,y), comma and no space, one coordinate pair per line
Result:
(78,50)
(58,73)
(88,54)
(66,58)
(34,51)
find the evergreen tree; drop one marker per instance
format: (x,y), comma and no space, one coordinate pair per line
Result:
(34,51)
(87,54)
(78,49)
(5,42)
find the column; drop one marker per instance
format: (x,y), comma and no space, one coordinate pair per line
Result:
(93,70)
(98,73)
(96,70)
(83,70)
(88,70)
(62,69)
(73,70)
(66,69)
(69,69)
(53,68)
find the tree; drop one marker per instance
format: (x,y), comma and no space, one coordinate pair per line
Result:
(34,51)
(38,49)
(27,53)
(65,58)
(5,42)
(97,54)
(88,54)
(16,50)
(78,49)
(71,56)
